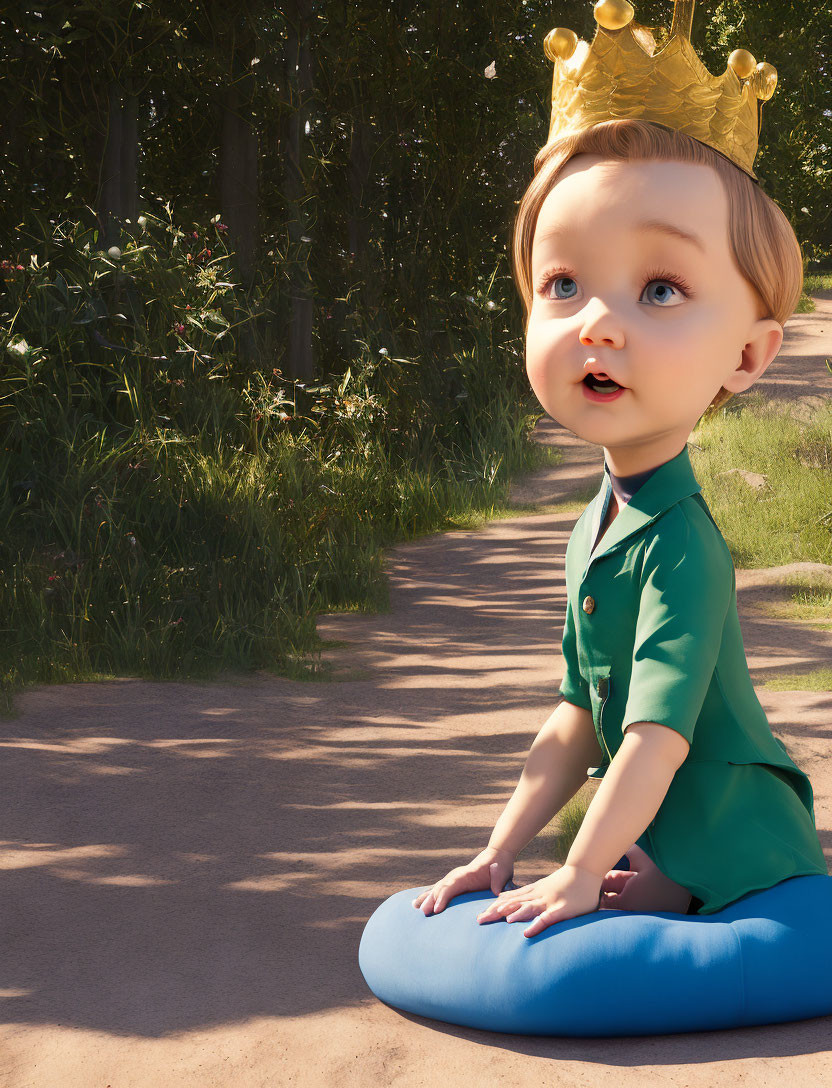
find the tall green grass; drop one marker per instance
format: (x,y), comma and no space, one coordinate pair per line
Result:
(789,518)
(167,513)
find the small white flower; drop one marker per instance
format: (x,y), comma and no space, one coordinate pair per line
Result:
(305,238)
(383,351)
(215,218)
(114,252)
(491,70)
(142,221)
(491,305)
(18,347)
(805,211)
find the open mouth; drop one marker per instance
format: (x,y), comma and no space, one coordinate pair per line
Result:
(601,385)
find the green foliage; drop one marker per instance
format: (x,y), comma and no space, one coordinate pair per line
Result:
(166,514)
(567,824)
(789,518)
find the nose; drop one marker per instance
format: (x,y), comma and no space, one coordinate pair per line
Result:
(601,327)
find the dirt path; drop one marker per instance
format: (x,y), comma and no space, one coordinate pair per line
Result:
(799,372)
(188,867)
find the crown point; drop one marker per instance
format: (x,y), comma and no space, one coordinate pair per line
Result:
(613,14)
(560,43)
(764,80)
(742,62)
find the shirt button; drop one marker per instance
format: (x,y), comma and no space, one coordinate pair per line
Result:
(588,604)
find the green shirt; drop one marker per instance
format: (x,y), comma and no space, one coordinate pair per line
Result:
(652,634)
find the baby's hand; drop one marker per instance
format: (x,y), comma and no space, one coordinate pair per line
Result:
(491,868)
(566,893)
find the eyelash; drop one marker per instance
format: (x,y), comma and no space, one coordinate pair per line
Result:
(667,277)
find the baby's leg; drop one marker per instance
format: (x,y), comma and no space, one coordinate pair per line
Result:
(649,889)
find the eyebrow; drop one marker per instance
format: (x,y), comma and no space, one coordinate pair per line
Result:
(656,225)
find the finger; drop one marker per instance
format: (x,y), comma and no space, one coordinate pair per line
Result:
(497,909)
(612,873)
(523,913)
(488,914)
(505,906)
(429,901)
(494,873)
(501,901)
(507,901)
(616,880)
(545,919)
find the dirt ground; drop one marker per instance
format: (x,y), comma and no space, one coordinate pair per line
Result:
(187,868)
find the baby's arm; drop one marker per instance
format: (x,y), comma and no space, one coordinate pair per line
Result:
(629,796)
(554,771)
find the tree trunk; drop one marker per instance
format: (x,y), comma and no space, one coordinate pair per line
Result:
(359,173)
(239,184)
(130,158)
(118,189)
(109,198)
(300,363)
(239,176)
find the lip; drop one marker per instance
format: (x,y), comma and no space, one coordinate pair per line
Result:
(601,398)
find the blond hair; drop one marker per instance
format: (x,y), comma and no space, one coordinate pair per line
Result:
(765,248)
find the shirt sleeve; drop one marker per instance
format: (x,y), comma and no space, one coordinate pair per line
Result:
(573,687)
(686,586)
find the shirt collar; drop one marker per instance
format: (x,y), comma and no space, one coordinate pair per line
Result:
(671,482)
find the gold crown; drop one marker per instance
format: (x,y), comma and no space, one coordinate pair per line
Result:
(624,73)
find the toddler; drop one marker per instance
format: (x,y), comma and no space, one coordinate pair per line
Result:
(656,278)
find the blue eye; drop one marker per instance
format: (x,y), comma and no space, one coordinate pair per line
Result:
(568,279)
(665,286)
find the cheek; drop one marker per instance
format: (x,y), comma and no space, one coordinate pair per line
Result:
(540,368)
(544,349)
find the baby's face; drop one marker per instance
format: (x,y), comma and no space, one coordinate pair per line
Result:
(671,321)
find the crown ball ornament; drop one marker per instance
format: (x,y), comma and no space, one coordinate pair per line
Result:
(624,73)
(560,43)
(613,14)
(742,62)
(764,80)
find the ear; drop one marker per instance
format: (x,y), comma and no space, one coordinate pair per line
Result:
(760,350)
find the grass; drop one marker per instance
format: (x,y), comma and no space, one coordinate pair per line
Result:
(559,833)
(812,680)
(811,605)
(175,508)
(789,519)
(812,282)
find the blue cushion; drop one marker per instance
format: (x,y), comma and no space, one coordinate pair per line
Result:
(765,959)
